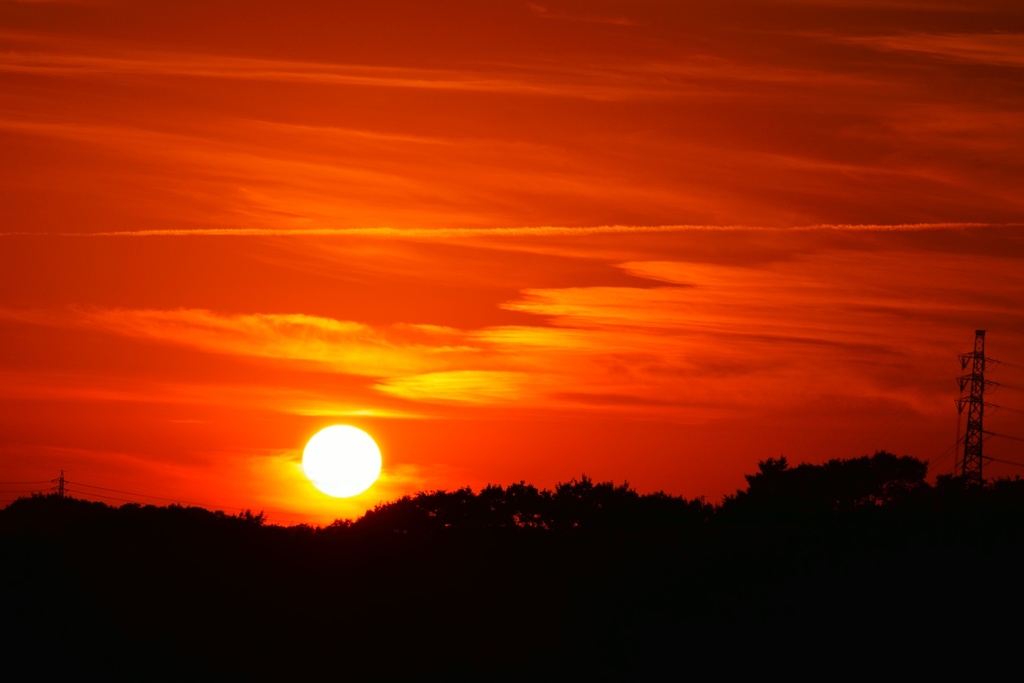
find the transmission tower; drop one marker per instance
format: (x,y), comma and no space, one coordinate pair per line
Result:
(975,403)
(59,481)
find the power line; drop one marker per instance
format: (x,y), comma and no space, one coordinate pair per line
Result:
(1003,362)
(102,488)
(135,493)
(998,407)
(1000,385)
(60,486)
(1005,436)
(950,450)
(178,501)
(1006,462)
(98,495)
(89,494)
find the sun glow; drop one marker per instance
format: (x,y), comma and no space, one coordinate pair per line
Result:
(341,461)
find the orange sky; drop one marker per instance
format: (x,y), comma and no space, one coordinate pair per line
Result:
(646,240)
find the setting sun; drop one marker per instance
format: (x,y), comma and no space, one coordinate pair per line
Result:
(341,461)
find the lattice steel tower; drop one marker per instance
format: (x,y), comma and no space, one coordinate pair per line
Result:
(973,438)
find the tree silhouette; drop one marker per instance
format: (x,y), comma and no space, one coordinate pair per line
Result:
(589,579)
(779,492)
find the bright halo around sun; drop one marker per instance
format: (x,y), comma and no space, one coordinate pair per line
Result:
(341,461)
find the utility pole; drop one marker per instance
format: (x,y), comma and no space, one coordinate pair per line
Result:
(975,403)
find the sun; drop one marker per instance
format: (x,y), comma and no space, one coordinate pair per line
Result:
(341,461)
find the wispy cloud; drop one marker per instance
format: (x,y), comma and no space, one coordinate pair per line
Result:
(343,346)
(481,387)
(317,399)
(686,331)
(992,49)
(524,231)
(557,15)
(809,118)
(518,81)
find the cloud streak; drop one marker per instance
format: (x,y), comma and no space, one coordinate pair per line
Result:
(345,347)
(525,231)
(543,82)
(739,333)
(991,49)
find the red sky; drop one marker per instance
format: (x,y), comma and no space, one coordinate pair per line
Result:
(646,240)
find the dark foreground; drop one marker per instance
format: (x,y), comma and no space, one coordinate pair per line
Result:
(145,593)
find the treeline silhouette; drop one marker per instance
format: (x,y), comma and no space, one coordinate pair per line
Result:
(858,559)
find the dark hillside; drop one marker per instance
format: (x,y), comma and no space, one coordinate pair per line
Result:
(590,581)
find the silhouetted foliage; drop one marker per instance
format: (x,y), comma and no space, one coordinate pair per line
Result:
(778,492)
(250,517)
(576,504)
(588,580)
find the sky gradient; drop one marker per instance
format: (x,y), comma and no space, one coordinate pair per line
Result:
(645,241)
